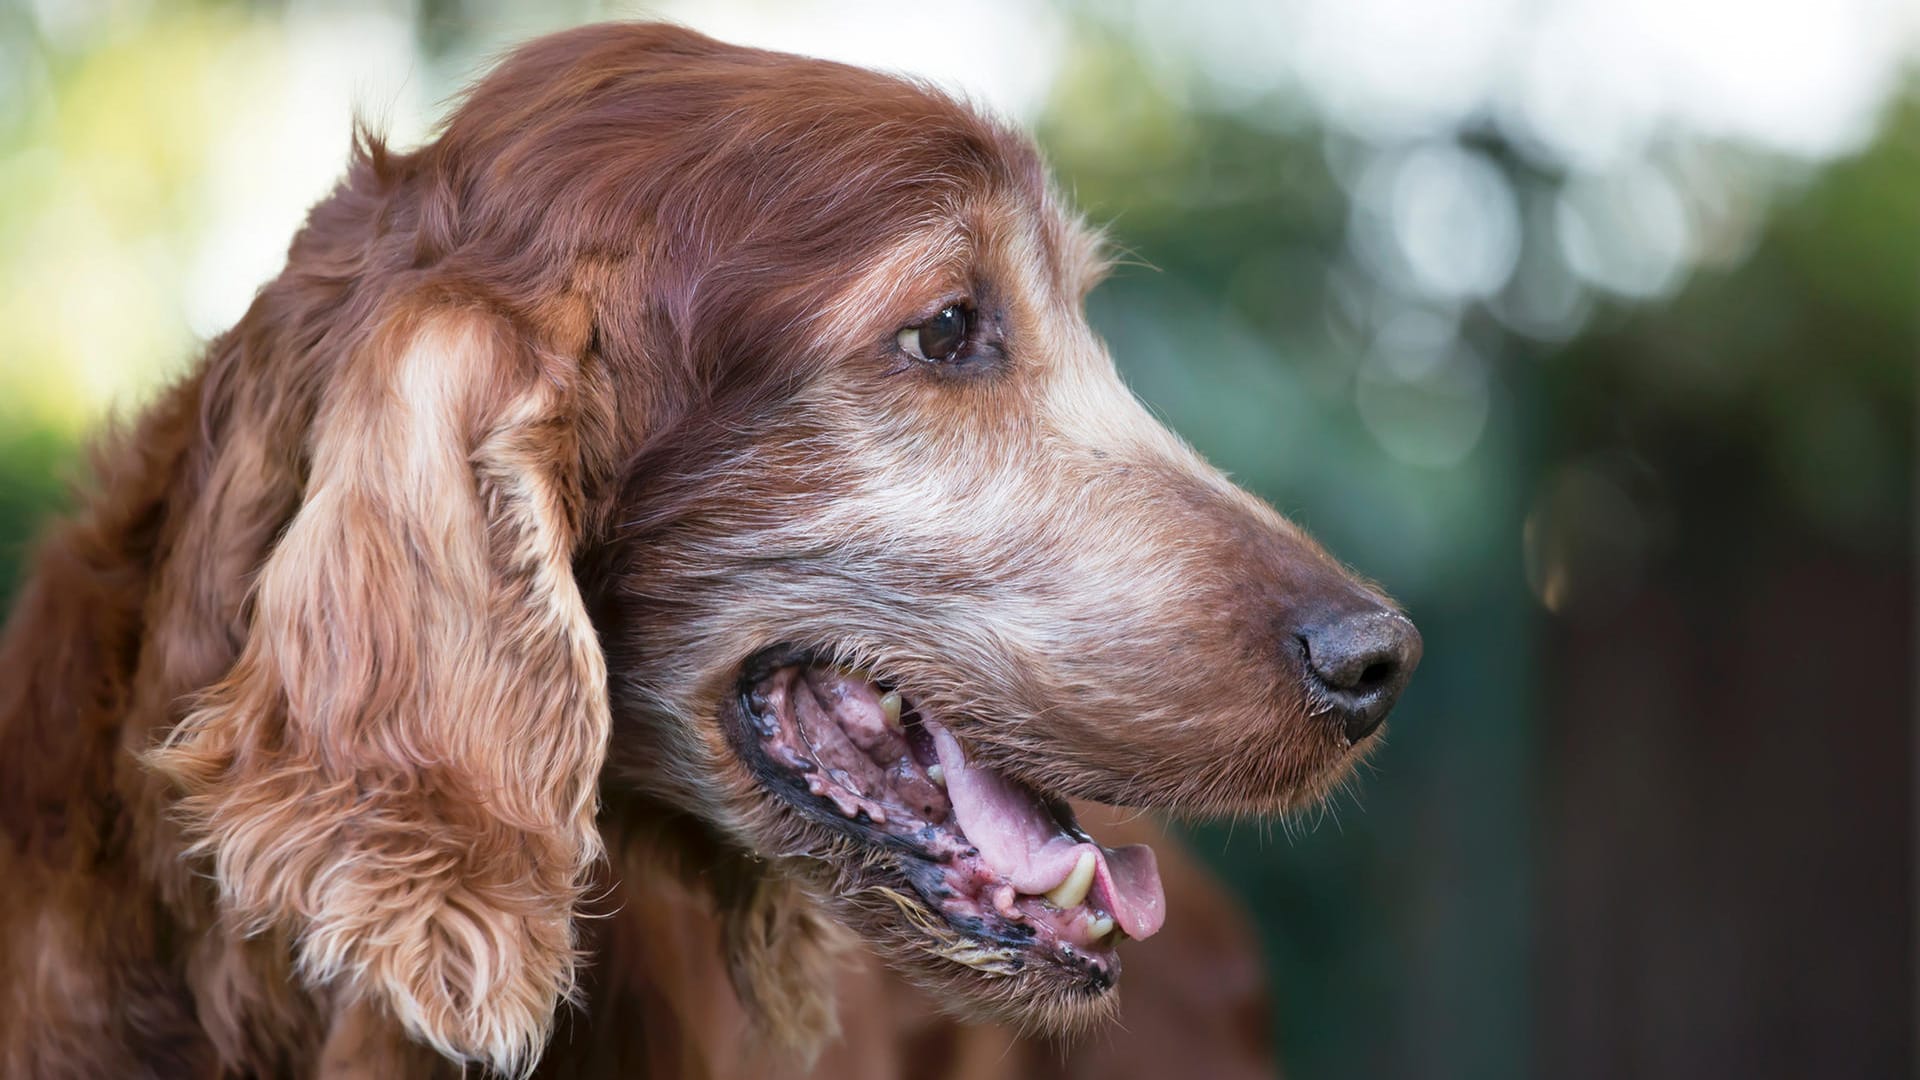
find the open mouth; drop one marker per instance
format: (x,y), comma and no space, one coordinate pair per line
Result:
(1006,867)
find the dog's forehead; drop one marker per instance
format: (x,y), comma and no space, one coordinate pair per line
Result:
(713,156)
(737,196)
(948,182)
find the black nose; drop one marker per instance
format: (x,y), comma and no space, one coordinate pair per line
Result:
(1358,663)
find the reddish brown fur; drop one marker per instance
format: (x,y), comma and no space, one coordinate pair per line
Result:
(310,746)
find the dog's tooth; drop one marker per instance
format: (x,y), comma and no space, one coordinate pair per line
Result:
(937,774)
(890,707)
(1073,890)
(1098,929)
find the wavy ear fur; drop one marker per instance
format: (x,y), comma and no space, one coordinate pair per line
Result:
(400,770)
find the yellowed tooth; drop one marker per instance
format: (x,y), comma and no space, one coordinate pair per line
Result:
(890,707)
(1073,890)
(1098,929)
(937,774)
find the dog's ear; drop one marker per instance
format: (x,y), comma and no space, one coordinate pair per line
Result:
(400,770)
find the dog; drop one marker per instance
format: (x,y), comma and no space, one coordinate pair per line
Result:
(687,486)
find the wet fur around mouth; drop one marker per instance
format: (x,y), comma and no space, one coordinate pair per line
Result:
(923,881)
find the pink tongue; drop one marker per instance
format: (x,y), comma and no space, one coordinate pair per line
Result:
(1018,838)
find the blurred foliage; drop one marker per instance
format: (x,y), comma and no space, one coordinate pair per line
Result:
(1400,936)
(1797,364)
(32,462)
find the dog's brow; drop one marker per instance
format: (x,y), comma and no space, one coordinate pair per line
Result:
(922,268)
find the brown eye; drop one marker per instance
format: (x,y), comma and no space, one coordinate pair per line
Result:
(941,338)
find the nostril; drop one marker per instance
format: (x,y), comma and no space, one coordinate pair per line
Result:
(1358,663)
(1375,674)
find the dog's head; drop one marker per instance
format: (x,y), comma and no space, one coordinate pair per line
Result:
(724,427)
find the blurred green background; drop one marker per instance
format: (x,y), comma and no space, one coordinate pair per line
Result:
(1588,327)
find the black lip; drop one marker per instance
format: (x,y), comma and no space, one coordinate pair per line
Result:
(769,660)
(741,729)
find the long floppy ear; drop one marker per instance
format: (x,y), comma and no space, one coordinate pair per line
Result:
(400,770)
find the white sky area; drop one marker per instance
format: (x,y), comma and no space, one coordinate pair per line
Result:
(1603,88)
(1583,83)
(287,146)
(1591,81)
(1586,83)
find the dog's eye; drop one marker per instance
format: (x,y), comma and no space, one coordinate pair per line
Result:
(940,339)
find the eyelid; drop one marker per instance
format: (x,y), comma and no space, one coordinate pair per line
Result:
(928,314)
